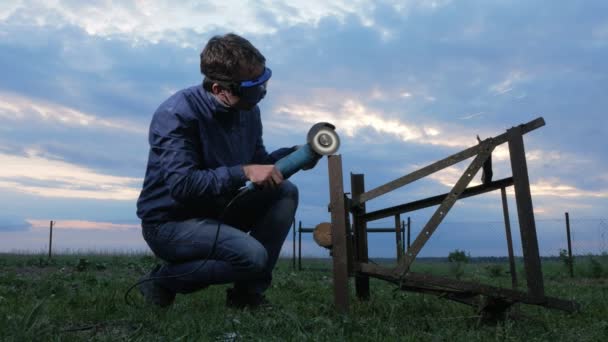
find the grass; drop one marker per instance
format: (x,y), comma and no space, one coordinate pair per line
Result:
(75,298)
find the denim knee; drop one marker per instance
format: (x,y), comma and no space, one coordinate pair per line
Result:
(256,257)
(289,190)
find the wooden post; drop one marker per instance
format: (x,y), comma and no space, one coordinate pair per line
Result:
(398,237)
(570,260)
(339,233)
(505,211)
(50,238)
(403,238)
(409,232)
(357,185)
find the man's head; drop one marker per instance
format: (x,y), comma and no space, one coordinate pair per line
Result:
(235,71)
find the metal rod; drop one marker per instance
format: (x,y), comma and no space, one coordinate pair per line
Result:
(505,211)
(338,233)
(435,200)
(442,164)
(381,230)
(360,231)
(369,230)
(570,260)
(293,244)
(525,213)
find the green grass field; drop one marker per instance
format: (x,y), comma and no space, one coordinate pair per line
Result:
(69,299)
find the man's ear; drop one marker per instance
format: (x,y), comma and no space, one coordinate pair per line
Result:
(216,88)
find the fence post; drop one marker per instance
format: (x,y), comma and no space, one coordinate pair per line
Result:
(300,246)
(293,244)
(50,238)
(570,260)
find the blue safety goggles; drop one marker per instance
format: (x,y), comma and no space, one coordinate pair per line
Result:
(250,91)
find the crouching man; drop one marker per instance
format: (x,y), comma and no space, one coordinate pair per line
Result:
(205,144)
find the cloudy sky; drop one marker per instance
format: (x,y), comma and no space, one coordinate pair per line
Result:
(405,82)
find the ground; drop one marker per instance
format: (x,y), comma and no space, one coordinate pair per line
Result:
(80,297)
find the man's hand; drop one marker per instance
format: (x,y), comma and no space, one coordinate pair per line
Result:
(263,175)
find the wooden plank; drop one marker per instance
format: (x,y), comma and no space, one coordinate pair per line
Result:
(339,233)
(435,200)
(525,213)
(413,281)
(442,164)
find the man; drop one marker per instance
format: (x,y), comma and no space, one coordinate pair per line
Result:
(205,143)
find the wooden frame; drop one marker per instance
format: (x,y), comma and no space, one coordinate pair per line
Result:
(350,251)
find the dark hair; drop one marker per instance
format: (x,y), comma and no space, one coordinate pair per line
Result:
(228,58)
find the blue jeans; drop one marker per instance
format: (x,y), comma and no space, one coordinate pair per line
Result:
(246,259)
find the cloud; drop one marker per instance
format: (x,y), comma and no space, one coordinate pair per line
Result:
(470,116)
(33,174)
(450,175)
(11,223)
(557,188)
(15,107)
(505,86)
(155,21)
(352,116)
(81,224)
(545,187)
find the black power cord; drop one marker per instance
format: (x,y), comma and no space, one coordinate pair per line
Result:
(241,193)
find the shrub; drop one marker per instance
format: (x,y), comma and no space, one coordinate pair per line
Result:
(494,270)
(565,259)
(596,270)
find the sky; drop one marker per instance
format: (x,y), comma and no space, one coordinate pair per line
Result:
(406,83)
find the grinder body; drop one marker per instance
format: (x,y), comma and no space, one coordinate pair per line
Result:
(321,140)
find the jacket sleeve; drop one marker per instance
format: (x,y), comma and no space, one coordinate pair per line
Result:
(175,139)
(261,156)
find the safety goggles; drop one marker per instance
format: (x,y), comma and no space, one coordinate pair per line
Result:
(253,91)
(250,91)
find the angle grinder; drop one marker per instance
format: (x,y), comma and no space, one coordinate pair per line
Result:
(321,140)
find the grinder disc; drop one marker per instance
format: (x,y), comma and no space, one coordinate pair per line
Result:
(325,141)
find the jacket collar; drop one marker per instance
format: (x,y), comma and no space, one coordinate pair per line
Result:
(217,108)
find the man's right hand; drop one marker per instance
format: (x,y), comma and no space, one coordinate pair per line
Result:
(263,175)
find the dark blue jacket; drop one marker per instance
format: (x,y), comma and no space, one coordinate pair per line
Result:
(197,151)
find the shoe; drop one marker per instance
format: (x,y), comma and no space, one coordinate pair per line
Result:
(243,300)
(154,293)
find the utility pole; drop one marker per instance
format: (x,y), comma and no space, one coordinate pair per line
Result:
(51,237)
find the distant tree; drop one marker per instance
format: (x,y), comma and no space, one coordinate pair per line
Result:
(459,256)
(457,259)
